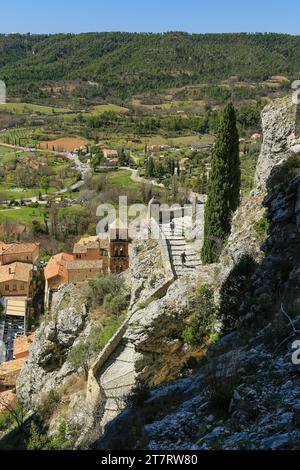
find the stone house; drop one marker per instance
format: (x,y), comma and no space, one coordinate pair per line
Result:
(56,273)
(22,252)
(81,270)
(91,256)
(16,279)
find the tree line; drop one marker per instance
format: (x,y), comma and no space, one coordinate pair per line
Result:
(123,64)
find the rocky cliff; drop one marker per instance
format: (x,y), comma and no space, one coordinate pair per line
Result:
(49,383)
(242,391)
(245,393)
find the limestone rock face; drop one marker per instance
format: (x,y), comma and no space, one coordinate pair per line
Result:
(279,141)
(47,368)
(146,270)
(279,144)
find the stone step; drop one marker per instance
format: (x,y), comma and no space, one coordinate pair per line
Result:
(177,254)
(127,355)
(111,367)
(180,267)
(174,236)
(191,264)
(117,393)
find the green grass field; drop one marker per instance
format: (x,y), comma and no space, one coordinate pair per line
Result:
(122,179)
(28,108)
(10,192)
(97,111)
(21,215)
(7,155)
(102,108)
(5,150)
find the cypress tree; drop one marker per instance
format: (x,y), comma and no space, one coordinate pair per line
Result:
(223,188)
(150,168)
(233,155)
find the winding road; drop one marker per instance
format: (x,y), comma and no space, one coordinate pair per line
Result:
(83,168)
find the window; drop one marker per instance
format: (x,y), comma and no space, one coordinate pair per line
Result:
(7,287)
(14,287)
(22,287)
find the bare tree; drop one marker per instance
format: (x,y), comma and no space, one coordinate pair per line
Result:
(15,410)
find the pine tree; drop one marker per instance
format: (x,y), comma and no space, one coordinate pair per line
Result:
(223,188)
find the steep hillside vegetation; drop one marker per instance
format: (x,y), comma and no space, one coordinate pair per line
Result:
(122,64)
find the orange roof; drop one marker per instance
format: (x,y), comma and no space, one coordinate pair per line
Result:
(90,243)
(11,367)
(57,266)
(16,272)
(22,344)
(18,247)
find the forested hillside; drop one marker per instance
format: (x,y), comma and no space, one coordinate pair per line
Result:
(123,64)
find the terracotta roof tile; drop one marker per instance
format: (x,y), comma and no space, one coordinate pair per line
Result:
(90,243)
(11,367)
(57,266)
(22,344)
(18,247)
(16,271)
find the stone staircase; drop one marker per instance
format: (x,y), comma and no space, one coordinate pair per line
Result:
(116,380)
(177,244)
(117,376)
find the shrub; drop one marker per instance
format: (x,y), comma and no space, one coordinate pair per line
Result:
(138,395)
(220,391)
(190,336)
(116,304)
(283,174)
(49,404)
(79,357)
(13,415)
(202,319)
(102,334)
(6,421)
(107,290)
(39,441)
(262,228)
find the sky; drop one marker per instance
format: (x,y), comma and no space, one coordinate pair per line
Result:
(194,16)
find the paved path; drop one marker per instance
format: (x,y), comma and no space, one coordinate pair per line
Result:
(116,379)
(139,179)
(178,244)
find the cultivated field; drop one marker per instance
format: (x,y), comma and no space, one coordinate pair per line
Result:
(63,144)
(28,108)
